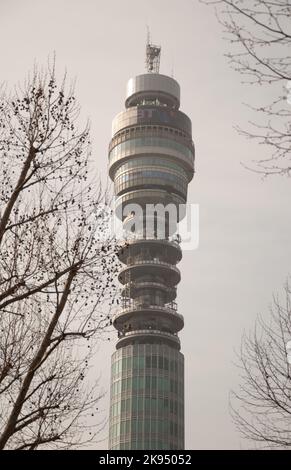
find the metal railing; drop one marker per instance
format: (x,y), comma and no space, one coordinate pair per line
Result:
(135,261)
(171,306)
(152,284)
(122,335)
(154,131)
(175,240)
(155,308)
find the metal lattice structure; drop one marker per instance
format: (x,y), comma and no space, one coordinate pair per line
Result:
(153,56)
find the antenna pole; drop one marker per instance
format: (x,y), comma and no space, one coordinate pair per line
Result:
(153,55)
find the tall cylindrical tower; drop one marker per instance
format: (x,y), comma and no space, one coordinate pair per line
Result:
(151,161)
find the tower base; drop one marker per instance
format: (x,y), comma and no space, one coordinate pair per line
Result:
(147,398)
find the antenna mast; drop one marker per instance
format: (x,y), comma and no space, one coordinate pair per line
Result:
(153,55)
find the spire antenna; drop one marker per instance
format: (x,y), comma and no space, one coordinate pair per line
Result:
(153,55)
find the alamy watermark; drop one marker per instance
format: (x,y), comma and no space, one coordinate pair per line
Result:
(172,222)
(158,221)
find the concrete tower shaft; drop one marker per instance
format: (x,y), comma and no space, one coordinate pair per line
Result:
(151,161)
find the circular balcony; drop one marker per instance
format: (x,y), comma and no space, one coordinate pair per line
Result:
(166,316)
(153,86)
(138,268)
(143,196)
(139,152)
(151,177)
(133,246)
(151,224)
(152,114)
(135,289)
(148,336)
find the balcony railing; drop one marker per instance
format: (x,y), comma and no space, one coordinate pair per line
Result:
(170,310)
(145,284)
(131,304)
(174,240)
(138,261)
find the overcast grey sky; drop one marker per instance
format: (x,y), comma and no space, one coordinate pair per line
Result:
(245,222)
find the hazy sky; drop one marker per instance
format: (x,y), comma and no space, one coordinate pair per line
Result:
(245,222)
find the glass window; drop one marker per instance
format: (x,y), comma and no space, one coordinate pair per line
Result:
(127,405)
(147,444)
(129,146)
(154,405)
(123,406)
(134,383)
(134,403)
(145,177)
(127,426)
(161,383)
(160,403)
(129,362)
(166,384)
(139,426)
(140,403)
(147,404)
(172,365)
(139,445)
(147,425)
(141,362)
(135,362)
(128,383)
(122,427)
(133,426)
(141,383)
(154,426)
(147,383)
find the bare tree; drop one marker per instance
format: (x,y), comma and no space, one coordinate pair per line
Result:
(261,408)
(56,268)
(260,35)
